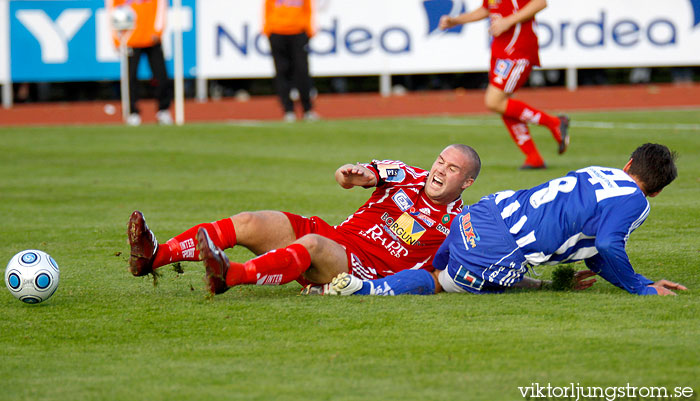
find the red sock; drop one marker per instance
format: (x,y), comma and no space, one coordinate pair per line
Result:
(277,267)
(184,246)
(521,136)
(528,114)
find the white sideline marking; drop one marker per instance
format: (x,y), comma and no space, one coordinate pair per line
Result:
(576,123)
(635,126)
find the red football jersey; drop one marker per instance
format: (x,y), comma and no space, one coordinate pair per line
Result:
(520,41)
(398,227)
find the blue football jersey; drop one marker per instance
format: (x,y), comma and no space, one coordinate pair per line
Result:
(586,215)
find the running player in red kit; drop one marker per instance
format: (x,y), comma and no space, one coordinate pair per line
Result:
(514,51)
(400,227)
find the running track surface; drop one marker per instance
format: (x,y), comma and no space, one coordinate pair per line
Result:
(346,106)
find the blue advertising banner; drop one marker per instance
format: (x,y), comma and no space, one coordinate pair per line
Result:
(70,40)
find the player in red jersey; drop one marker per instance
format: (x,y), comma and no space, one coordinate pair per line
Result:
(514,51)
(400,227)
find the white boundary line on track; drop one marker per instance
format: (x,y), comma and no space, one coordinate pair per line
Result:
(575,123)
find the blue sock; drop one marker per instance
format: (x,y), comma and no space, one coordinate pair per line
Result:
(418,282)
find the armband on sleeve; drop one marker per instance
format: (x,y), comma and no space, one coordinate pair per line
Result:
(388,172)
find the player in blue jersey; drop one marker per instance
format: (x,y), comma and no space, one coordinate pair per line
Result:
(586,215)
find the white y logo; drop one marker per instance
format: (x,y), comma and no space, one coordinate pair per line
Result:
(53,36)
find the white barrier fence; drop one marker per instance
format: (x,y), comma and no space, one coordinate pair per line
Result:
(369,37)
(363,37)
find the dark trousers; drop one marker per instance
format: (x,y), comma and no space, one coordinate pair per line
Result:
(291,56)
(160,75)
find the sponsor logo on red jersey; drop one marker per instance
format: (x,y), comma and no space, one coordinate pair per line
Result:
(402,200)
(405,228)
(421,215)
(393,245)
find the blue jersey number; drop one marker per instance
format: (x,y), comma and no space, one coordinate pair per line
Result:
(605,177)
(545,195)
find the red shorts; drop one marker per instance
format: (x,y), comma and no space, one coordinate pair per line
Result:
(358,264)
(509,75)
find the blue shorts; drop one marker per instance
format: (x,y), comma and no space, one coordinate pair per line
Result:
(483,255)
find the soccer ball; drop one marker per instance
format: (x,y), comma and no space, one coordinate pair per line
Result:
(32,276)
(123,18)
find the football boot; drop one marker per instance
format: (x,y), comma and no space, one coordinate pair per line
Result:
(345,284)
(564,132)
(215,261)
(143,245)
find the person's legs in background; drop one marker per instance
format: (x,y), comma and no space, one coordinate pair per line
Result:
(163,93)
(281,54)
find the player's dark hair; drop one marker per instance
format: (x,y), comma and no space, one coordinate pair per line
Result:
(471,153)
(654,165)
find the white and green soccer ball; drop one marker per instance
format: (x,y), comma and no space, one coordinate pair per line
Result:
(32,276)
(123,18)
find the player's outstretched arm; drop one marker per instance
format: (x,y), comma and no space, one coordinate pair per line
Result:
(583,280)
(664,287)
(500,25)
(447,22)
(351,175)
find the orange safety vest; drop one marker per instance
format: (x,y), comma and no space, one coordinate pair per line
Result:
(288,17)
(149,24)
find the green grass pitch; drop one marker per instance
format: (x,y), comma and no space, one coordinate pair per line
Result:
(108,336)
